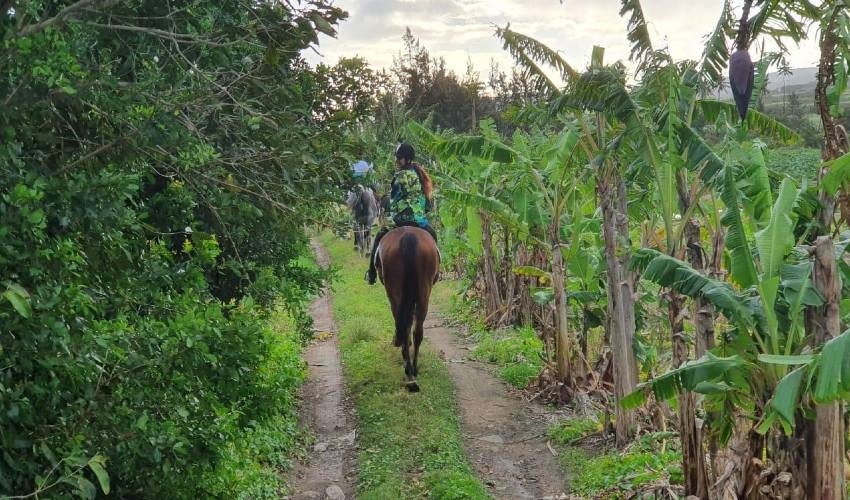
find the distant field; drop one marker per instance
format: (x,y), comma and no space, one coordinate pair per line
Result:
(798,162)
(801,81)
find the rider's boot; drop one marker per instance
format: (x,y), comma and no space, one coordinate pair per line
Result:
(372,274)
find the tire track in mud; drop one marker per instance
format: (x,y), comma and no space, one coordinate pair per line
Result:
(329,471)
(504,437)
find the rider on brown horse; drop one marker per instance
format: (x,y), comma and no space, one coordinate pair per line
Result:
(410,200)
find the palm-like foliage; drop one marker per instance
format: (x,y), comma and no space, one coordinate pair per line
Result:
(679,276)
(755,122)
(530,54)
(764,365)
(768,311)
(782,20)
(638,32)
(648,131)
(715,57)
(535,188)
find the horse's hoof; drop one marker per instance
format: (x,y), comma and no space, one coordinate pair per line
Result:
(412,386)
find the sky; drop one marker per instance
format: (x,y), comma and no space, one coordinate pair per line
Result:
(462,30)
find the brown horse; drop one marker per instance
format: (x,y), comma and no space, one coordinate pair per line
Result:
(408,262)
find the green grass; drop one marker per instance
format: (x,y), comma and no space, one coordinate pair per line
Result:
(445,296)
(516,351)
(613,473)
(569,430)
(410,443)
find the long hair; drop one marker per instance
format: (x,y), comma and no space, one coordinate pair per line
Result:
(424,179)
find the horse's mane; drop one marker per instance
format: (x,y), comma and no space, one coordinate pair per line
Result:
(424,179)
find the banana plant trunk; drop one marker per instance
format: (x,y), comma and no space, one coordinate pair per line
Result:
(508,317)
(826,436)
(737,468)
(621,319)
(492,290)
(704,311)
(564,343)
(523,284)
(693,458)
(690,434)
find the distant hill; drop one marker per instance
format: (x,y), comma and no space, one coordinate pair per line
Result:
(800,80)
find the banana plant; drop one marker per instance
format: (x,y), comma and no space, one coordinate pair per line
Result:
(534,187)
(670,162)
(765,364)
(595,127)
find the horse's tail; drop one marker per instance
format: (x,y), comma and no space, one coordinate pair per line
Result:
(360,203)
(409,288)
(371,204)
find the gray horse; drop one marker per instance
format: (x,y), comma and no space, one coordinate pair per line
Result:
(364,210)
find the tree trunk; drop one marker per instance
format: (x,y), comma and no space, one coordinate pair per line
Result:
(835,138)
(826,441)
(585,331)
(621,321)
(825,436)
(737,465)
(835,141)
(693,458)
(627,283)
(564,344)
(715,270)
(703,310)
(690,434)
(492,294)
(523,284)
(509,315)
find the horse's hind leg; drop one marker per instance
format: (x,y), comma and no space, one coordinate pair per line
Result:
(419,325)
(417,341)
(402,340)
(366,238)
(405,353)
(409,367)
(356,238)
(419,333)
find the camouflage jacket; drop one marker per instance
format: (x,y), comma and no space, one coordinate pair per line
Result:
(407,200)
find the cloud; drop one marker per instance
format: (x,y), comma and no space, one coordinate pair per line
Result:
(458,30)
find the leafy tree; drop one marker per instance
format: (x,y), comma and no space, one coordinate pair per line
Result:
(159,160)
(429,88)
(542,207)
(350,88)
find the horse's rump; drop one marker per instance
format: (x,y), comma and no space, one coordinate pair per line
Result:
(408,263)
(390,250)
(363,205)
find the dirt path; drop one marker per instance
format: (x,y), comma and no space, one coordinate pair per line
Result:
(504,437)
(329,471)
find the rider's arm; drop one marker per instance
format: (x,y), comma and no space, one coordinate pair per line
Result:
(395,189)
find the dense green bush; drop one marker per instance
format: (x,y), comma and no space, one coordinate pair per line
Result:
(123,349)
(158,162)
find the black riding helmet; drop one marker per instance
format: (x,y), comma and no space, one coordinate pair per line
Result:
(405,151)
